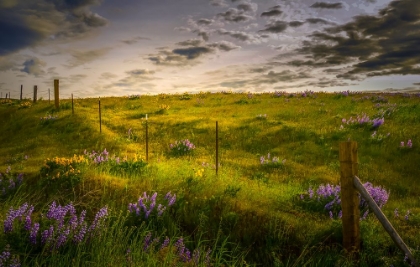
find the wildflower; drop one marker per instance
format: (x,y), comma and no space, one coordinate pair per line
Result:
(165,243)
(409,143)
(34,232)
(396,212)
(406,215)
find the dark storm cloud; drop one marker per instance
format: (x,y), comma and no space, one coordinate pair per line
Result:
(296,23)
(34,66)
(416,84)
(385,44)
(203,34)
(234,15)
(224,46)
(205,21)
(28,23)
(134,40)
(192,52)
(271,13)
(318,21)
(327,5)
(192,42)
(277,26)
(243,36)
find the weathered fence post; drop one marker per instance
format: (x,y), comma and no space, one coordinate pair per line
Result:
(349,198)
(72,105)
(384,221)
(56,93)
(147,141)
(35,93)
(100,118)
(217,148)
(21,88)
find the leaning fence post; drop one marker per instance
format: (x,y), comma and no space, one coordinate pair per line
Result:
(147,141)
(100,118)
(35,93)
(21,89)
(349,197)
(384,221)
(217,147)
(56,93)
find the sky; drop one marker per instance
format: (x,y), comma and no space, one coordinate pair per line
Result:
(126,47)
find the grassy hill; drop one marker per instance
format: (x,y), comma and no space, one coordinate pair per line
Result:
(274,148)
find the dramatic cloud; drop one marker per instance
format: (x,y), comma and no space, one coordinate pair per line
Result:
(234,15)
(83,57)
(271,13)
(134,40)
(192,42)
(252,7)
(34,66)
(224,46)
(327,5)
(295,23)
(192,52)
(243,36)
(28,23)
(318,21)
(205,21)
(275,27)
(379,45)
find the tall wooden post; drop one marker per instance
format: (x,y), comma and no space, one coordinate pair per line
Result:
(100,118)
(217,148)
(147,141)
(21,88)
(35,93)
(56,93)
(349,198)
(72,105)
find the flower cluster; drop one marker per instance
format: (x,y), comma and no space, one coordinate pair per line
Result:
(9,182)
(182,147)
(98,157)
(182,253)
(64,170)
(7,259)
(408,145)
(146,200)
(262,116)
(271,161)
(61,224)
(25,104)
(378,138)
(362,120)
(328,198)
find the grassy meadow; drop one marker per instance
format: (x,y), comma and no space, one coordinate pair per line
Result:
(72,196)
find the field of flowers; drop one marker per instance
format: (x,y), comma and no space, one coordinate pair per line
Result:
(72,196)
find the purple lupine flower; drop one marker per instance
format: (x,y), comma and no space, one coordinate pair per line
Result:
(365,214)
(81,234)
(165,243)
(406,215)
(62,238)
(102,213)
(311,192)
(34,233)
(409,143)
(172,200)
(47,235)
(402,144)
(147,241)
(340,214)
(396,212)
(262,160)
(161,209)
(331,215)
(378,122)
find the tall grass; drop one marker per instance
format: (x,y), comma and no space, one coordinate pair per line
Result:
(249,214)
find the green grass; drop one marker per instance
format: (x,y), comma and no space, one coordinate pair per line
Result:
(248,215)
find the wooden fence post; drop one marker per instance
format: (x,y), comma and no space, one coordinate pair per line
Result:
(35,93)
(384,221)
(100,116)
(56,93)
(349,198)
(147,141)
(217,148)
(21,88)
